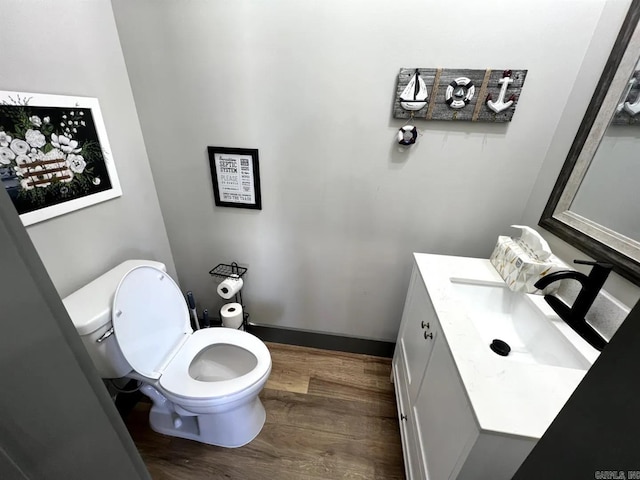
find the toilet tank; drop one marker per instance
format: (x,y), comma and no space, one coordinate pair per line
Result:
(90,311)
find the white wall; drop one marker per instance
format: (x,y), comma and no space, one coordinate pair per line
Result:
(71,48)
(311,84)
(603,39)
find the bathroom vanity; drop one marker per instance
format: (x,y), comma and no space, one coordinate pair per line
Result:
(466,412)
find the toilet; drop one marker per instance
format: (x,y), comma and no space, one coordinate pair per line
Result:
(204,385)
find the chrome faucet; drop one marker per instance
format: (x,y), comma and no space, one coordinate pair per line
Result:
(574,316)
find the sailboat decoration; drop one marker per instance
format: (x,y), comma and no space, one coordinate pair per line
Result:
(414,96)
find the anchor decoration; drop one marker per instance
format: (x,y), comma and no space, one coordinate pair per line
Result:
(632,108)
(500,105)
(415,95)
(628,108)
(459,92)
(625,95)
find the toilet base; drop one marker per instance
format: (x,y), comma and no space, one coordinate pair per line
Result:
(231,429)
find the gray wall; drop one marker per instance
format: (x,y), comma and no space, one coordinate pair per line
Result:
(71,48)
(311,84)
(579,97)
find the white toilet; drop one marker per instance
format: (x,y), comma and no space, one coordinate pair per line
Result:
(204,384)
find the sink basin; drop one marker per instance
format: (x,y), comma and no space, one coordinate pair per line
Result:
(498,313)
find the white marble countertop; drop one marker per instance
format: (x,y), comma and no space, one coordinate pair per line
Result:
(507,397)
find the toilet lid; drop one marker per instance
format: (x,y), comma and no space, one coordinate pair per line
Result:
(150,319)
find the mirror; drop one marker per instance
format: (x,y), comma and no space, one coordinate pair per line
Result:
(594,205)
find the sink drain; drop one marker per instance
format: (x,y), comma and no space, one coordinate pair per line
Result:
(500,347)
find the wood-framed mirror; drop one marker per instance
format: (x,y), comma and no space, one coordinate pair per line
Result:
(594,205)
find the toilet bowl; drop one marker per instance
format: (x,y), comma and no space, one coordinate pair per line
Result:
(204,385)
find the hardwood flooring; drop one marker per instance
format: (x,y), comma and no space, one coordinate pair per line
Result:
(330,415)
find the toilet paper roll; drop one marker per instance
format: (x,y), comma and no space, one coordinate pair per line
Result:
(229,287)
(231,314)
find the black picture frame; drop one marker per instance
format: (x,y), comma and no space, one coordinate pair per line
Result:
(240,186)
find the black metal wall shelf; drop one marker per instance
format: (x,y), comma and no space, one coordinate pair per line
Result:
(224,270)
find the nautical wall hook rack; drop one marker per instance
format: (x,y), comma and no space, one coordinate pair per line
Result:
(458,94)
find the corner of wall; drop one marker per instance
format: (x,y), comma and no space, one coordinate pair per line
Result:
(597,53)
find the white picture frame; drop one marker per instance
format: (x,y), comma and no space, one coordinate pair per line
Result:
(55,156)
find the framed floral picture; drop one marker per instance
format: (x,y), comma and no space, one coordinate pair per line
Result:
(54,154)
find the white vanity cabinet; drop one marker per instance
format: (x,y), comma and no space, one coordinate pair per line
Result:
(441,437)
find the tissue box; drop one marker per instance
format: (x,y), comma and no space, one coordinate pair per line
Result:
(521,267)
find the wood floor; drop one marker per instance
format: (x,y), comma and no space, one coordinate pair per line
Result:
(330,415)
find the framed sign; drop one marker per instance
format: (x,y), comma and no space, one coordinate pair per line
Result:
(54,154)
(235,175)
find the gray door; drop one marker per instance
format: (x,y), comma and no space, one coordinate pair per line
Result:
(57,420)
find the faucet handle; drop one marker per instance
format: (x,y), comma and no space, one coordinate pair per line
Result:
(608,266)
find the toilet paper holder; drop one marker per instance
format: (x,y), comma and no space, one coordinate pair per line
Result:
(226,270)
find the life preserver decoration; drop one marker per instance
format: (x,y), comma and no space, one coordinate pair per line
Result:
(407,135)
(459,92)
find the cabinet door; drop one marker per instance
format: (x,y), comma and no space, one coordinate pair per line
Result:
(446,427)
(417,334)
(412,461)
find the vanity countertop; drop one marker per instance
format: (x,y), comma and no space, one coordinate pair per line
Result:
(507,397)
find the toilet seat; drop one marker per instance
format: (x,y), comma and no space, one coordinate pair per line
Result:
(177,381)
